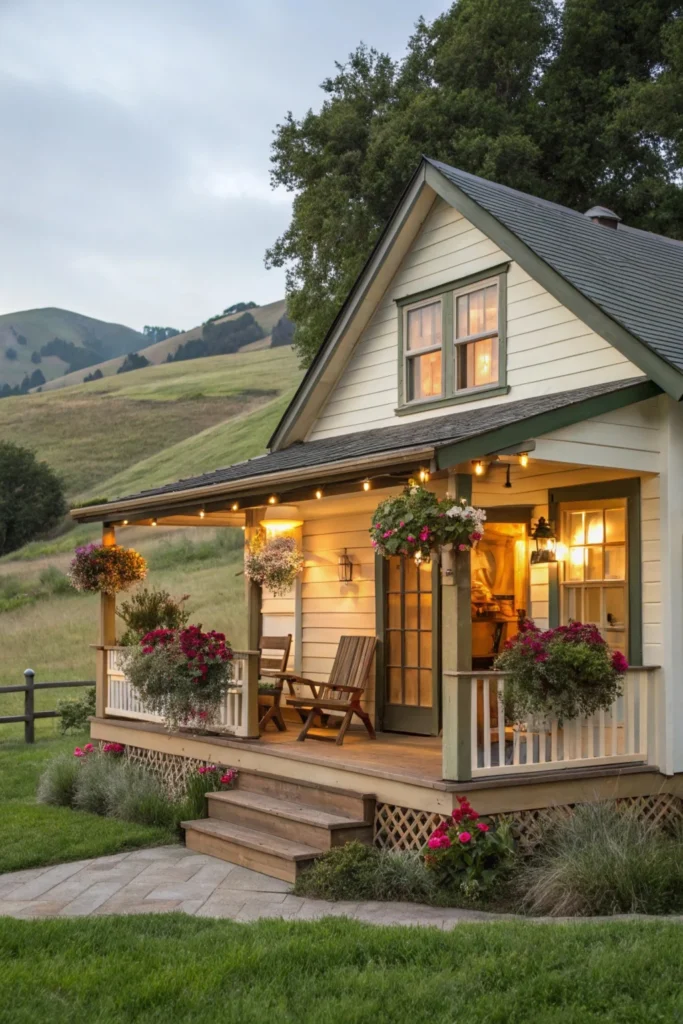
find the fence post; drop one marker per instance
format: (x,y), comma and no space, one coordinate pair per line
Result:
(29,706)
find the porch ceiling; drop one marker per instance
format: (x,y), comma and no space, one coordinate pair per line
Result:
(388,452)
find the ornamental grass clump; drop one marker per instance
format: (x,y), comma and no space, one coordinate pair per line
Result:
(181,674)
(106,569)
(358,872)
(415,523)
(602,859)
(209,778)
(468,853)
(57,784)
(274,563)
(559,673)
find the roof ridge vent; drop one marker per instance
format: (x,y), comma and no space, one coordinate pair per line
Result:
(604,216)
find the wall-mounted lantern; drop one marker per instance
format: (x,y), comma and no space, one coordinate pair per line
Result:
(544,537)
(345,568)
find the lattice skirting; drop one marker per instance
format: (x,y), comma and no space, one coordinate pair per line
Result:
(172,769)
(401,828)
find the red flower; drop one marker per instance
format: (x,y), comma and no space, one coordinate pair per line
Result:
(619,662)
(465,837)
(482,827)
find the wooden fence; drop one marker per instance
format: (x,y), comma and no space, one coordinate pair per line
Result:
(30,714)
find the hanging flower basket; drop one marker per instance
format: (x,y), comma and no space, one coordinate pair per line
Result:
(106,570)
(274,563)
(561,673)
(415,523)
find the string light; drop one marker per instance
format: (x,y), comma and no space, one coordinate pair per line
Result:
(272,500)
(124,523)
(479,468)
(366,485)
(202,513)
(154,522)
(318,494)
(235,506)
(524,460)
(424,476)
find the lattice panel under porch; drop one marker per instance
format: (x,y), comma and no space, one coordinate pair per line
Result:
(172,769)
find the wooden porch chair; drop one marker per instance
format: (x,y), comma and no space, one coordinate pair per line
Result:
(343,690)
(272,664)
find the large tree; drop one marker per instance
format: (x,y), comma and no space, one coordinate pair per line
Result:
(580,102)
(31,497)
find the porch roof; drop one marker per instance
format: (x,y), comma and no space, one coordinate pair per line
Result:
(445,439)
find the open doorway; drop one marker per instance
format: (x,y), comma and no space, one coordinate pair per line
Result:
(500,585)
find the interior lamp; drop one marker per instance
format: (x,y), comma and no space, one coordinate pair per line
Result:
(546,543)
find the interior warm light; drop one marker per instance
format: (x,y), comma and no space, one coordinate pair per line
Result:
(561,552)
(577,556)
(479,467)
(366,485)
(318,494)
(595,532)
(524,460)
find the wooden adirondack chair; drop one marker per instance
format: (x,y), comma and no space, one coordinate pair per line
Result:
(272,665)
(343,690)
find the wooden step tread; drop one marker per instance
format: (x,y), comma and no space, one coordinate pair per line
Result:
(291,809)
(253,840)
(305,784)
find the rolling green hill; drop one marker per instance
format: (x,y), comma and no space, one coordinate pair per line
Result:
(25,333)
(266,316)
(154,425)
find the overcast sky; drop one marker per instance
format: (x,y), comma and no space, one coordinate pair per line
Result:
(135,134)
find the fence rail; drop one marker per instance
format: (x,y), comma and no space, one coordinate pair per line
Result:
(30,714)
(626,733)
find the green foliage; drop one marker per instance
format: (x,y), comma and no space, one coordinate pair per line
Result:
(282,333)
(31,497)
(54,582)
(91,787)
(57,785)
(77,357)
(154,334)
(133,361)
(134,794)
(95,375)
(219,339)
(467,853)
(198,784)
(415,523)
(75,712)
(602,860)
(174,554)
(561,673)
(358,872)
(151,609)
(579,103)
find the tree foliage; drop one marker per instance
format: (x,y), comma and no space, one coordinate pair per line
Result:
(579,103)
(154,334)
(219,339)
(31,497)
(133,361)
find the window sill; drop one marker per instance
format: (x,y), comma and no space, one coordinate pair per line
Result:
(474,395)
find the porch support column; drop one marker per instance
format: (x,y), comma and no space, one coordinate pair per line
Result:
(107,637)
(456,652)
(253,600)
(669,706)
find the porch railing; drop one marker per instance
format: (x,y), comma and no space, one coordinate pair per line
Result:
(121,701)
(625,734)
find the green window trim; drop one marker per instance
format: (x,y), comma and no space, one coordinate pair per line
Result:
(450,393)
(630,490)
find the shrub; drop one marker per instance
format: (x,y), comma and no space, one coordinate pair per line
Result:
(358,872)
(466,852)
(91,791)
(134,794)
(31,497)
(182,675)
(147,610)
(75,712)
(55,582)
(274,563)
(106,569)
(561,673)
(602,860)
(57,784)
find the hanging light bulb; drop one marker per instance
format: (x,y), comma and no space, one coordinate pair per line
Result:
(479,468)
(524,460)
(319,494)
(202,513)
(235,506)
(366,485)
(124,523)
(272,500)
(154,522)
(424,476)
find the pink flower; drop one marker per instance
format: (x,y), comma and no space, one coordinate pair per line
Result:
(482,827)
(229,777)
(202,770)
(88,748)
(462,547)
(410,538)
(79,753)
(438,842)
(113,748)
(476,535)
(465,837)
(619,662)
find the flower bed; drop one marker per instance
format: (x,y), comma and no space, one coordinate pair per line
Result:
(468,853)
(559,673)
(106,569)
(415,523)
(180,674)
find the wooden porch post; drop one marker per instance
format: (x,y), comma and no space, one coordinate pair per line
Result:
(456,653)
(107,637)
(253,599)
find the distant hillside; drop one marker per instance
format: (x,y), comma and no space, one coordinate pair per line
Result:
(155,424)
(65,337)
(266,316)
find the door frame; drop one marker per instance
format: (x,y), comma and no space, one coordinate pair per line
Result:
(394,718)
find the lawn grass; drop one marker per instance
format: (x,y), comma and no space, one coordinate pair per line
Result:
(176,968)
(34,835)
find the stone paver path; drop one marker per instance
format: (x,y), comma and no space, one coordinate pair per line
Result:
(173,878)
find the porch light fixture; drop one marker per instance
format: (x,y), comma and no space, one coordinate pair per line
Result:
(284,520)
(424,476)
(366,485)
(546,543)
(345,568)
(478,467)
(524,459)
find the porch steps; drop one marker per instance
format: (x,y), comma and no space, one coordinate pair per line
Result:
(279,826)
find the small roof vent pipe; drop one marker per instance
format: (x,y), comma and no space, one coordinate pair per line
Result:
(601,215)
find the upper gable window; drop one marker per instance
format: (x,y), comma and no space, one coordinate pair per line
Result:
(452,342)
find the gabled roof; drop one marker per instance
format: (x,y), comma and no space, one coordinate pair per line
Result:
(624,283)
(447,439)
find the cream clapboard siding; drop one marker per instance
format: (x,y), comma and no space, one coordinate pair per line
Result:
(549,349)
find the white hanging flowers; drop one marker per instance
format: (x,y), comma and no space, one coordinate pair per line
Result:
(274,563)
